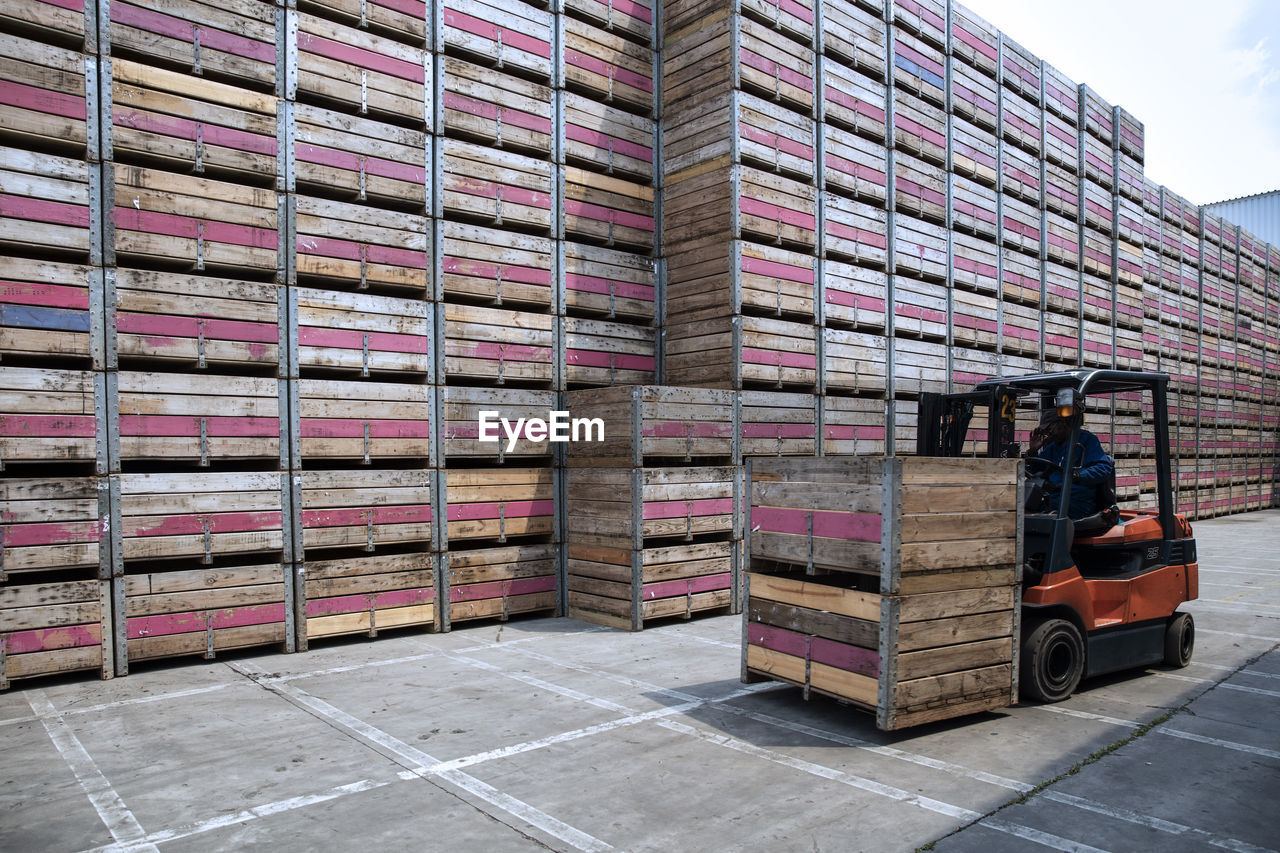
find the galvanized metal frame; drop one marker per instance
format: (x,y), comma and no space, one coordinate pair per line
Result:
(949,224)
(891,244)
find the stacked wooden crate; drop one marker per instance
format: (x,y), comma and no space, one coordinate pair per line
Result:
(654,513)
(890,584)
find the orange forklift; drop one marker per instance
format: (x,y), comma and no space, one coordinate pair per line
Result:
(1100,593)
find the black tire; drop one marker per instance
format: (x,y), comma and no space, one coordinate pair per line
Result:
(1179,640)
(1052,662)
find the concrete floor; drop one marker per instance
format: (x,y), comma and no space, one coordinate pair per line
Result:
(550,733)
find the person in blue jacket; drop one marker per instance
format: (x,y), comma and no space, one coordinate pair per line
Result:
(1092,464)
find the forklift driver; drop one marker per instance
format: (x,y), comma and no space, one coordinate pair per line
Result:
(1049,442)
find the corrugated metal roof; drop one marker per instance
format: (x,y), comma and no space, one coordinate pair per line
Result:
(1258,214)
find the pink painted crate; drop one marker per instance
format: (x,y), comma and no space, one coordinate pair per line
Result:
(973,152)
(1099,209)
(1020,176)
(920,189)
(500,188)
(45,206)
(1020,333)
(54,524)
(609,282)
(774,424)
(610,140)
(853,362)
(605,352)
(359,159)
(852,426)
(514,37)
(351,245)
(1062,240)
(45,309)
(853,165)
(460,432)
(918,66)
(968,368)
(45,95)
(711,277)
(1097,115)
(920,308)
(1021,71)
(1061,142)
(365,509)
(497,345)
(495,267)
(53,627)
(1061,96)
(1062,289)
(1020,123)
(743,351)
(501,582)
(854,297)
(1130,136)
(633,18)
(920,249)
(496,504)
(609,210)
(974,96)
(1098,350)
(925,18)
(974,41)
(974,263)
(919,128)
(651,422)
(1099,166)
(374,335)
(741,201)
(405,20)
(854,36)
(363,421)
(1061,192)
(1021,227)
(853,102)
(975,320)
(973,208)
(1062,339)
(50,416)
(367,594)
(607,66)
(854,231)
(493,108)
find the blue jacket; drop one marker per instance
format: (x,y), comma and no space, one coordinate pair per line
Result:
(1094,467)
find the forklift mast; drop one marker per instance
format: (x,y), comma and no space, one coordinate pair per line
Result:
(945,419)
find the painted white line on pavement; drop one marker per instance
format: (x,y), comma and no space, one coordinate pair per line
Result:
(1200,630)
(1086,715)
(1045,839)
(1225,744)
(1159,824)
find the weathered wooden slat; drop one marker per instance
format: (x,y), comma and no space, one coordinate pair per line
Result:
(361,596)
(57,626)
(855,36)
(742,352)
(853,426)
(404,19)
(363,332)
(499,503)
(497,345)
(607,66)
(45,204)
(774,424)
(633,18)
(335,153)
(853,100)
(498,34)
(973,152)
(364,421)
(465,435)
(611,140)
(44,99)
(49,415)
(618,285)
(495,109)
(500,188)
(365,509)
(854,231)
(921,189)
(358,246)
(608,210)
(361,71)
(604,352)
(45,309)
(974,40)
(668,422)
(501,581)
(918,66)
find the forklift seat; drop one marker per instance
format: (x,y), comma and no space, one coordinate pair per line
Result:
(1107,516)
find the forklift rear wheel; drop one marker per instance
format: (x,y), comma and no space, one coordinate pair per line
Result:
(1052,661)
(1179,640)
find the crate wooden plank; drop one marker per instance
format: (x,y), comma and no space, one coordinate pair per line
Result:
(974,97)
(605,352)
(499,503)
(471,424)
(45,205)
(1021,71)
(501,188)
(1020,123)
(921,189)
(920,308)
(198,418)
(919,366)
(368,594)
(1020,278)
(774,424)
(44,96)
(968,368)
(853,426)
(1099,165)
(973,152)
(1096,115)
(1097,348)
(741,201)
(608,209)
(1062,240)
(974,320)
(163,218)
(352,157)
(742,352)
(1099,209)
(1021,226)
(854,297)
(1128,348)
(795,20)
(49,415)
(1128,177)
(918,67)
(364,420)
(497,267)
(974,41)
(495,109)
(361,71)
(365,509)
(45,309)
(920,249)
(55,626)
(1061,96)
(919,128)
(1020,331)
(630,18)
(619,507)
(502,581)
(855,36)
(1061,142)
(508,37)
(405,20)
(1062,289)
(973,208)
(618,285)
(853,101)
(1020,175)
(53,524)
(204,611)
(853,362)
(50,21)
(234,40)
(925,18)
(1130,136)
(607,139)
(1097,264)
(854,231)
(654,422)
(363,332)
(738,127)
(497,345)
(201,516)
(710,278)
(1061,192)
(854,166)
(607,66)
(974,263)
(353,245)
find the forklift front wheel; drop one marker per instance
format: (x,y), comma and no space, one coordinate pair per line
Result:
(1179,640)
(1052,661)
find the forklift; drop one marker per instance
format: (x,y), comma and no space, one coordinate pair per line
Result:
(1100,594)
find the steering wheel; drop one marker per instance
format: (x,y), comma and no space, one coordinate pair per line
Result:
(1046,466)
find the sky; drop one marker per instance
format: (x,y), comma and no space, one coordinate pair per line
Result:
(1203,77)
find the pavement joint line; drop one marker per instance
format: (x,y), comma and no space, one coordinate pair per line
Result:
(1236,600)
(1238,571)
(414,760)
(121,703)
(532,681)
(1219,742)
(1213,605)
(1087,715)
(1236,634)
(1159,824)
(1240,687)
(222,821)
(111,808)
(1038,836)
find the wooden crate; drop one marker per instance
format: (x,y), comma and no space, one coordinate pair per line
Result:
(1021,122)
(356,246)
(793,20)
(618,285)
(1061,142)
(55,626)
(1097,262)
(1099,210)
(53,524)
(45,310)
(604,352)
(1020,175)
(607,66)
(920,249)
(1130,136)
(919,366)
(364,509)
(853,297)
(633,19)
(727,51)
(187,124)
(974,263)
(167,219)
(1128,177)
(1019,278)
(496,267)
(852,426)
(921,189)
(1099,165)
(647,422)
(968,368)
(352,157)
(737,127)
(361,71)
(44,97)
(775,424)
(232,40)
(740,202)
(741,352)
(609,210)
(1061,95)
(1020,331)
(853,362)
(1062,289)
(374,335)
(496,504)
(497,187)
(1062,240)
(854,166)
(974,97)
(1096,115)
(1061,192)
(974,41)
(45,205)
(507,36)
(973,152)
(611,140)
(51,416)
(1128,348)
(973,208)
(919,308)
(461,434)
(51,22)
(363,421)
(1021,226)
(1097,345)
(854,231)
(1021,70)
(406,21)
(975,320)
(919,128)
(495,109)
(367,594)
(918,67)
(501,581)
(902,599)
(854,36)
(853,101)
(203,611)
(200,418)
(713,277)
(201,515)
(497,345)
